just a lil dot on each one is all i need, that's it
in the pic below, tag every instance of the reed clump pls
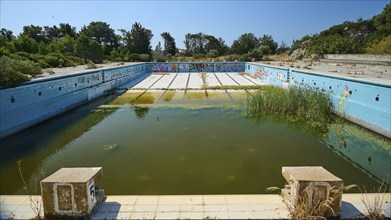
(302, 104)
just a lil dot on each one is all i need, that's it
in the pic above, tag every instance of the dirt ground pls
(372, 73)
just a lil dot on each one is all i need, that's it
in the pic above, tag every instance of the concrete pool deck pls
(266, 206)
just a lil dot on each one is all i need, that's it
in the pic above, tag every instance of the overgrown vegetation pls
(64, 46)
(362, 36)
(299, 104)
(35, 204)
(374, 201)
(300, 208)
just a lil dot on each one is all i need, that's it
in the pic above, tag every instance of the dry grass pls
(254, 87)
(203, 76)
(34, 203)
(300, 208)
(374, 202)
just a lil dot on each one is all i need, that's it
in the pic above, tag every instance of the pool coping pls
(245, 206)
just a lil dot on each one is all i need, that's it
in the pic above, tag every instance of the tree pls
(282, 48)
(82, 47)
(244, 44)
(138, 39)
(7, 34)
(95, 51)
(158, 54)
(268, 43)
(26, 44)
(169, 44)
(101, 33)
(34, 32)
(51, 33)
(67, 29)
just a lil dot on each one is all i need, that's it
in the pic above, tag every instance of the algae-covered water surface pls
(173, 143)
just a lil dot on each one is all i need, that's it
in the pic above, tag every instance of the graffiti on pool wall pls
(345, 95)
(201, 67)
(260, 72)
(229, 67)
(164, 67)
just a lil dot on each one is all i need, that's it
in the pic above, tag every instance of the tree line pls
(38, 48)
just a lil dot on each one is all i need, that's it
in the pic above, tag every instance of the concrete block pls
(71, 192)
(312, 185)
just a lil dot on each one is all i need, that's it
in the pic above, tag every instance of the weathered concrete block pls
(71, 192)
(313, 185)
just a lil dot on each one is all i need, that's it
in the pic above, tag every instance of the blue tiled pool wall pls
(365, 103)
(368, 104)
(197, 67)
(36, 101)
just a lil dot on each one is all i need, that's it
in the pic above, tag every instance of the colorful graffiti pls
(260, 72)
(230, 67)
(197, 67)
(345, 95)
(201, 67)
(164, 67)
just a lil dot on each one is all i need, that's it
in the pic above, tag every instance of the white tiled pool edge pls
(251, 206)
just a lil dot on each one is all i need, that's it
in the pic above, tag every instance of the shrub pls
(300, 104)
(245, 57)
(14, 72)
(53, 61)
(198, 56)
(144, 57)
(91, 65)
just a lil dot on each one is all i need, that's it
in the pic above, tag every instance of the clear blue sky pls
(284, 20)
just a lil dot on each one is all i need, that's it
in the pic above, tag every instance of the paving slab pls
(225, 79)
(211, 80)
(195, 81)
(257, 206)
(240, 79)
(164, 82)
(180, 81)
(146, 83)
(254, 80)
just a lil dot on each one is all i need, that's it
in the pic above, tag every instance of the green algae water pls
(186, 143)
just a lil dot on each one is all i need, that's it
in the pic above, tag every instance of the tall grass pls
(297, 103)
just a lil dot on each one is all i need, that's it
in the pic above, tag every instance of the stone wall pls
(359, 58)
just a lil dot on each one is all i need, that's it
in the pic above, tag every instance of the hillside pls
(363, 36)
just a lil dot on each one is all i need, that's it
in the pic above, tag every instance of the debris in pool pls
(251, 150)
(182, 158)
(111, 146)
(144, 178)
(231, 177)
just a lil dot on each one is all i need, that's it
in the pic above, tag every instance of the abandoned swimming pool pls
(186, 143)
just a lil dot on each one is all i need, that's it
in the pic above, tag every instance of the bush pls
(245, 57)
(198, 56)
(144, 57)
(14, 72)
(91, 65)
(54, 61)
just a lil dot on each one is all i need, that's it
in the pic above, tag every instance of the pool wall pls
(197, 67)
(38, 100)
(365, 103)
